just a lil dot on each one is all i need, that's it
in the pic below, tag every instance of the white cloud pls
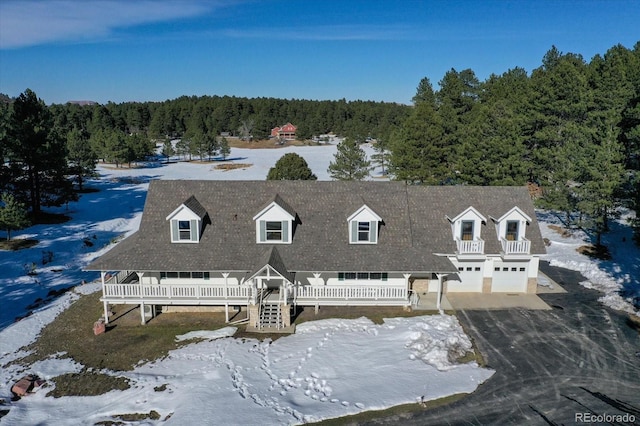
(28, 23)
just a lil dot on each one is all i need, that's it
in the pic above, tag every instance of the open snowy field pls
(327, 369)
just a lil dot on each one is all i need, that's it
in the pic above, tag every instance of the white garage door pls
(470, 280)
(509, 277)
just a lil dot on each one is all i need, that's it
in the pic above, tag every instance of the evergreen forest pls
(570, 126)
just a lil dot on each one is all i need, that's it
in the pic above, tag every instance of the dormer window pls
(186, 222)
(364, 234)
(274, 223)
(184, 230)
(511, 226)
(363, 226)
(274, 231)
(466, 226)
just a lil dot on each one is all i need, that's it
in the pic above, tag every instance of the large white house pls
(269, 246)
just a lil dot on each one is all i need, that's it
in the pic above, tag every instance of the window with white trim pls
(184, 230)
(364, 232)
(274, 231)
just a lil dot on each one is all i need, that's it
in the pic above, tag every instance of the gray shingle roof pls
(193, 205)
(413, 231)
(272, 258)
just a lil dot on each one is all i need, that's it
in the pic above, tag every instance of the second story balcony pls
(470, 247)
(516, 247)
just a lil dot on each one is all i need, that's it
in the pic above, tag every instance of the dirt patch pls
(564, 233)
(232, 166)
(17, 244)
(263, 143)
(86, 383)
(599, 252)
(132, 417)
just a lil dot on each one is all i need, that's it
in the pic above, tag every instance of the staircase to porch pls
(270, 316)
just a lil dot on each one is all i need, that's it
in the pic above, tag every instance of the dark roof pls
(279, 201)
(272, 258)
(193, 205)
(413, 232)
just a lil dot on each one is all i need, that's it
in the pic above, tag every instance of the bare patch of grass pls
(132, 417)
(86, 383)
(564, 233)
(599, 252)
(17, 244)
(398, 412)
(376, 314)
(126, 344)
(232, 166)
(235, 142)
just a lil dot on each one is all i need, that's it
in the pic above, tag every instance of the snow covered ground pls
(327, 369)
(618, 279)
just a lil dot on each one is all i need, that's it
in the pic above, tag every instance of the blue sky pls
(126, 50)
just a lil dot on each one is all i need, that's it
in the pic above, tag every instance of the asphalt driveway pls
(578, 357)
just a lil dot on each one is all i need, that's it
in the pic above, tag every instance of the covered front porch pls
(269, 293)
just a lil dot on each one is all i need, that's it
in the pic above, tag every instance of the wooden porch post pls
(105, 303)
(439, 296)
(226, 296)
(142, 313)
(106, 312)
(406, 282)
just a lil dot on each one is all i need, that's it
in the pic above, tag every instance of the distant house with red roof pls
(288, 131)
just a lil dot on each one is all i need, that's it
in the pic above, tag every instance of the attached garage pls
(468, 278)
(509, 277)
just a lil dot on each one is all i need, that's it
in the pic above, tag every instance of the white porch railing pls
(345, 292)
(522, 246)
(470, 246)
(113, 292)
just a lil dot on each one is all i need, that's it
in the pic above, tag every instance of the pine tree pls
(13, 214)
(350, 162)
(36, 155)
(603, 173)
(81, 157)
(168, 150)
(418, 153)
(224, 148)
(291, 166)
(381, 156)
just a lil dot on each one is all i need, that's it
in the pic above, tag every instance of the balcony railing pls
(470, 246)
(346, 293)
(522, 246)
(114, 292)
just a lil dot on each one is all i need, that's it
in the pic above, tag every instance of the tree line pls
(572, 126)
